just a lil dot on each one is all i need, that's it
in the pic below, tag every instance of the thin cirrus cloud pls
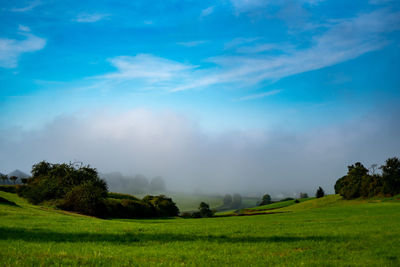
(12, 49)
(31, 5)
(90, 18)
(257, 96)
(244, 6)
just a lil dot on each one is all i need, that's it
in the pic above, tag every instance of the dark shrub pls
(186, 214)
(87, 198)
(163, 205)
(320, 192)
(204, 210)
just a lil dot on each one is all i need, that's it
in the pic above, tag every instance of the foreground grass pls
(327, 231)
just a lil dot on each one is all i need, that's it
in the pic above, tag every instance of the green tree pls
(204, 210)
(349, 186)
(320, 192)
(266, 199)
(391, 176)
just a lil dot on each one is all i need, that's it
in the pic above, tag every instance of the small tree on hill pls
(266, 199)
(320, 192)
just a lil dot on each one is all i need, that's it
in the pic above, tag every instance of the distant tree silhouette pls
(266, 199)
(4, 178)
(157, 184)
(320, 192)
(303, 195)
(227, 200)
(236, 201)
(14, 179)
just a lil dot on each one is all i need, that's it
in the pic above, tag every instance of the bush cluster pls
(78, 188)
(148, 207)
(360, 183)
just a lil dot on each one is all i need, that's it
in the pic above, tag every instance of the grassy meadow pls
(327, 231)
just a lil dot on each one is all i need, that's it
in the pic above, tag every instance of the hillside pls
(326, 231)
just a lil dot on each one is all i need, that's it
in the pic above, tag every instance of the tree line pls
(79, 188)
(361, 182)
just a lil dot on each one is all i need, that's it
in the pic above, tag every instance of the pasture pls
(327, 231)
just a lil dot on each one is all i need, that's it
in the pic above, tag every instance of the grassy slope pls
(327, 231)
(262, 209)
(191, 202)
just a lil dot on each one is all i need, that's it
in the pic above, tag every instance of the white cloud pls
(11, 49)
(192, 43)
(207, 11)
(90, 18)
(144, 66)
(261, 95)
(28, 7)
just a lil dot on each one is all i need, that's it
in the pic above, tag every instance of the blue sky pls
(247, 65)
(257, 61)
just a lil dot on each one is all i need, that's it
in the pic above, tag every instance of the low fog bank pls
(170, 145)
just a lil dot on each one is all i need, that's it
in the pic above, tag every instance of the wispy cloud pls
(344, 40)
(245, 6)
(24, 28)
(31, 5)
(192, 43)
(259, 48)
(256, 96)
(207, 11)
(90, 18)
(11, 49)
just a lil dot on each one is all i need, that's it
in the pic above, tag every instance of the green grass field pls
(319, 232)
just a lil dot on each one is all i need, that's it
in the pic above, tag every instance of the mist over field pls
(189, 158)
